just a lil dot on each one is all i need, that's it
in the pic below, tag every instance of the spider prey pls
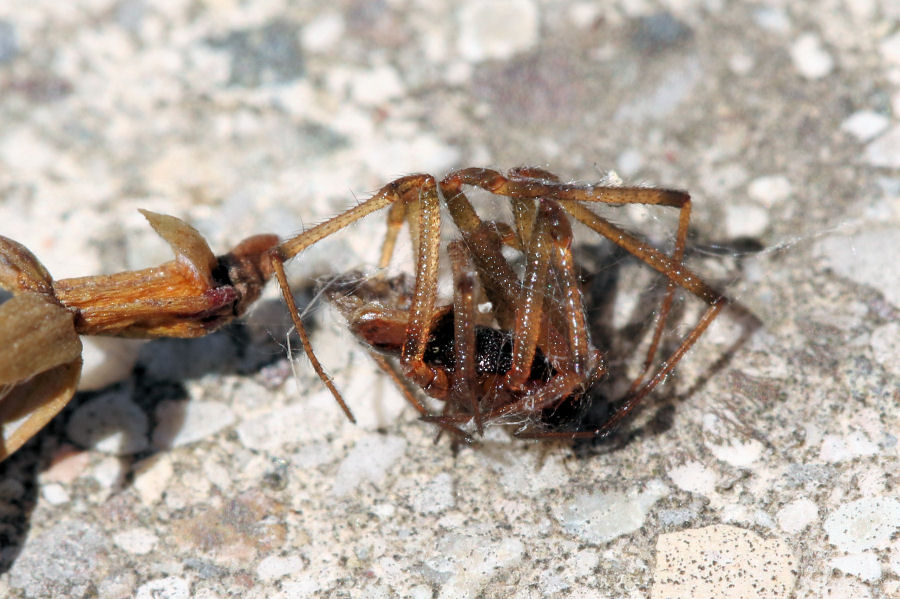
(40, 349)
(532, 353)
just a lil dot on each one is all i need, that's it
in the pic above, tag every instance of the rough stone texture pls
(776, 455)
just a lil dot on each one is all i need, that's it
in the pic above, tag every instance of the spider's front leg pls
(418, 196)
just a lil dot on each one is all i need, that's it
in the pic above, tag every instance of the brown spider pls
(532, 353)
(40, 349)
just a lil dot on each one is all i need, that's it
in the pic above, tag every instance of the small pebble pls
(836, 448)
(773, 19)
(107, 472)
(323, 32)
(769, 189)
(864, 524)
(275, 567)
(811, 59)
(136, 540)
(55, 494)
(180, 423)
(864, 566)
(151, 478)
(746, 220)
(584, 14)
(376, 86)
(885, 150)
(630, 162)
(722, 562)
(598, 518)
(741, 63)
(739, 453)
(110, 423)
(171, 587)
(890, 48)
(797, 515)
(68, 464)
(107, 360)
(865, 124)
(496, 30)
(694, 477)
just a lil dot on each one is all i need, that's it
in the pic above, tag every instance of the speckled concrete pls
(213, 471)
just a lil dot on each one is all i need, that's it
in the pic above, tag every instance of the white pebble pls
(107, 472)
(797, 515)
(694, 477)
(741, 63)
(810, 58)
(865, 124)
(180, 423)
(836, 448)
(110, 423)
(772, 18)
(864, 524)
(151, 478)
(275, 567)
(497, 30)
(136, 540)
(864, 566)
(885, 150)
(722, 562)
(885, 343)
(584, 14)
(323, 32)
(55, 494)
(598, 518)
(770, 189)
(376, 86)
(738, 453)
(171, 587)
(746, 220)
(107, 360)
(630, 162)
(369, 461)
(890, 48)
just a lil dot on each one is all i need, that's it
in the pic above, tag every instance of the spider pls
(533, 353)
(40, 349)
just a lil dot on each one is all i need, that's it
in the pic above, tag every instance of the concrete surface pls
(767, 467)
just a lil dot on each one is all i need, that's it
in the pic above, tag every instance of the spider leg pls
(464, 331)
(395, 219)
(388, 367)
(391, 193)
(570, 197)
(529, 313)
(662, 197)
(498, 279)
(531, 182)
(579, 363)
